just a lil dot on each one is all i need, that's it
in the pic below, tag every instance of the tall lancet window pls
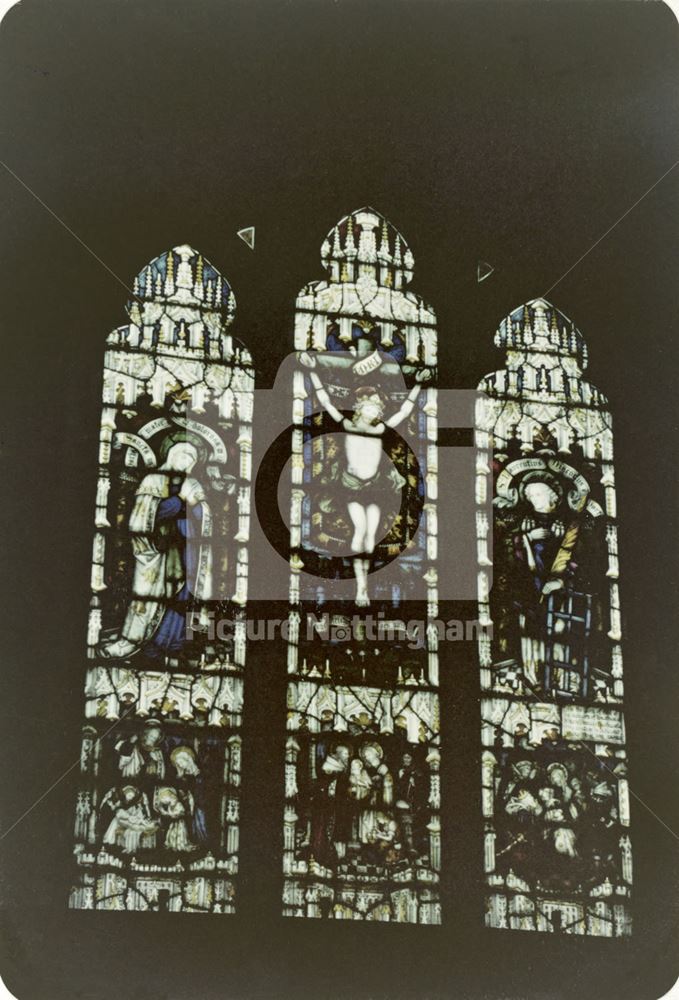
(361, 823)
(555, 795)
(157, 812)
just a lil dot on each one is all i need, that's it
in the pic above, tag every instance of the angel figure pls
(177, 807)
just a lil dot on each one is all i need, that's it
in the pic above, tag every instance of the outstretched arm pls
(323, 398)
(409, 404)
(406, 409)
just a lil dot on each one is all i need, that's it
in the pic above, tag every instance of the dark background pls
(515, 133)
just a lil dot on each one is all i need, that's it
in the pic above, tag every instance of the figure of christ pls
(362, 478)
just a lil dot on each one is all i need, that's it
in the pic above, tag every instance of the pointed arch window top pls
(546, 355)
(183, 306)
(539, 327)
(369, 264)
(363, 242)
(182, 276)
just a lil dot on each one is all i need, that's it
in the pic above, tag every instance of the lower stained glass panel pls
(157, 817)
(362, 830)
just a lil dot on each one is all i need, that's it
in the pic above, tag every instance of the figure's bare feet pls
(362, 599)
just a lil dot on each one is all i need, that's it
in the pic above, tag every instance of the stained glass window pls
(361, 824)
(554, 787)
(157, 812)
(157, 818)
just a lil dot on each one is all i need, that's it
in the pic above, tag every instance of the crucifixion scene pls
(366, 484)
(340, 402)
(366, 349)
(362, 784)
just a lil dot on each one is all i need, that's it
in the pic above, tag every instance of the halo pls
(181, 436)
(546, 477)
(183, 749)
(375, 746)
